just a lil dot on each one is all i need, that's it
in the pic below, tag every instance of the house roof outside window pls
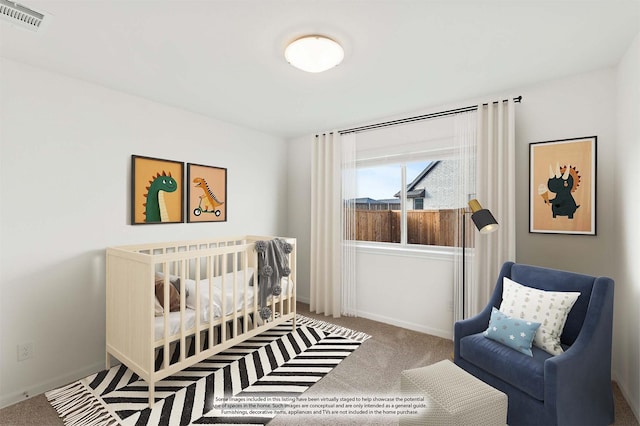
(436, 184)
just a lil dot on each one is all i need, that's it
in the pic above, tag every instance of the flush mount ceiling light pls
(314, 53)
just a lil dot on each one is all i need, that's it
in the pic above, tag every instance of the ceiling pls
(224, 58)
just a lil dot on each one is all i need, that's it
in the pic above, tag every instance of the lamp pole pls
(486, 223)
(464, 261)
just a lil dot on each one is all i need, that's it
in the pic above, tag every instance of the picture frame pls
(562, 186)
(157, 191)
(206, 193)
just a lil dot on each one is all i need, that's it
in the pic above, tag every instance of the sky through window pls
(383, 182)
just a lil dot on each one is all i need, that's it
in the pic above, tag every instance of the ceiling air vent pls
(22, 16)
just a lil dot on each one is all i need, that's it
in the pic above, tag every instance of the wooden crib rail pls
(225, 264)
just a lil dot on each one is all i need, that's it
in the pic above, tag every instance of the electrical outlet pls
(25, 351)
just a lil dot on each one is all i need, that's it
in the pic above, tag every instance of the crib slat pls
(167, 311)
(234, 258)
(223, 273)
(256, 292)
(210, 261)
(183, 341)
(245, 312)
(197, 290)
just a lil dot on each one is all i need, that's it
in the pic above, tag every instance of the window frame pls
(403, 247)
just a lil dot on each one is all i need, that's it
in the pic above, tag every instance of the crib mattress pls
(190, 313)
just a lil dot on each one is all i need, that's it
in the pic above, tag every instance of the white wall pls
(576, 106)
(299, 206)
(625, 210)
(409, 289)
(607, 104)
(582, 105)
(604, 103)
(65, 153)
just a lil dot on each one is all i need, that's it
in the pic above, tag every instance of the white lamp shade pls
(314, 53)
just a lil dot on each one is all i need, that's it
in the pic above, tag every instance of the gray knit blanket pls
(273, 265)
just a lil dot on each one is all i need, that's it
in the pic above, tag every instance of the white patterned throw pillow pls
(549, 308)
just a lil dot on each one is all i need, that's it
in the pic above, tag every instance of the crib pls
(221, 300)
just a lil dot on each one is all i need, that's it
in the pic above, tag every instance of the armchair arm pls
(470, 326)
(578, 382)
(480, 322)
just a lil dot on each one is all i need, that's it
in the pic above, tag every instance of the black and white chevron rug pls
(278, 363)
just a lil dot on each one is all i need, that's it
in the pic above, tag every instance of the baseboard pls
(38, 388)
(303, 299)
(445, 334)
(635, 407)
(404, 324)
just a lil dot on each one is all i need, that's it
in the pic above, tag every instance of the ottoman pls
(452, 396)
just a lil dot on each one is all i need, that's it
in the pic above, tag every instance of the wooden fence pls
(426, 227)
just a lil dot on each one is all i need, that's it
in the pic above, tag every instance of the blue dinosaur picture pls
(562, 186)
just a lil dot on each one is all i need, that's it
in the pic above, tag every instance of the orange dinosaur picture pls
(207, 193)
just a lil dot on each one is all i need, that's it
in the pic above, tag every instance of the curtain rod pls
(419, 117)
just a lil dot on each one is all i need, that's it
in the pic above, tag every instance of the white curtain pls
(465, 134)
(332, 256)
(349, 195)
(495, 190)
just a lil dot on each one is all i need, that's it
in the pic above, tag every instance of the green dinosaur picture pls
(157, 190)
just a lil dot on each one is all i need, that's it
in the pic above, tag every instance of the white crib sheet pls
(190, 314)
(174, 323)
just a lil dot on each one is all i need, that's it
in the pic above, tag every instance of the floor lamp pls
(486, 223)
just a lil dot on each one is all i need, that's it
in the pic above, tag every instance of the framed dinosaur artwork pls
(562, 186)
(157, 192)
(206, 193)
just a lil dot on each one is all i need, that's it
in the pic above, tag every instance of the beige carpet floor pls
(372, 370)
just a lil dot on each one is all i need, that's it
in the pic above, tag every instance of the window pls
(377, 209)
(410, 178)
(407, 202)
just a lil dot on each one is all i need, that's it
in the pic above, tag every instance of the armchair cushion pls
(524, 372)
(550, 308)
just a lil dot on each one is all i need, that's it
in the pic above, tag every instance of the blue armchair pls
(573, 388)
